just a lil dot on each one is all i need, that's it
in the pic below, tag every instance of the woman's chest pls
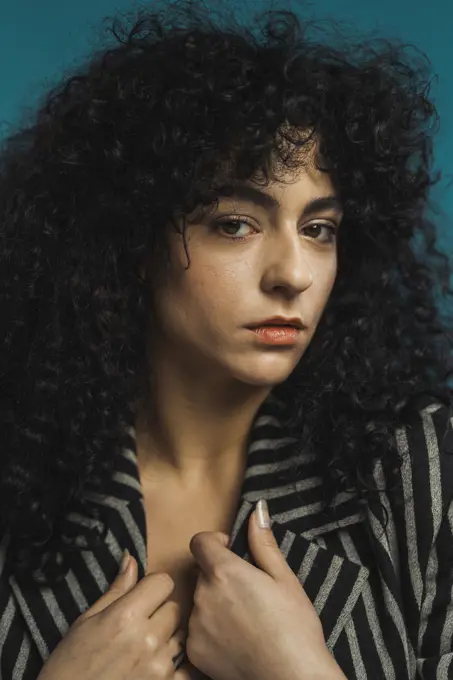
(169, 530)
(170, 553)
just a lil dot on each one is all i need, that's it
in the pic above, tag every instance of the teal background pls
(41, 40)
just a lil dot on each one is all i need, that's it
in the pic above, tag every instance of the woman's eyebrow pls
(246, 192)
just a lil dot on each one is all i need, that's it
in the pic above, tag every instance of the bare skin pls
(170, 528)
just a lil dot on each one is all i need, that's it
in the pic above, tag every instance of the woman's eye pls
(332, 232)
(235, 226)
(316, 230)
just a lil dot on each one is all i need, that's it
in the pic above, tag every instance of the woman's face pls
(283, 264)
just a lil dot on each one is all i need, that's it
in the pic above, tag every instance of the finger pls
(182, 674)
(177, 643)
(180, 636)
(210, 548)
(162, 664)
(123, 583)
(149, 594)
(165, 620)
(266, 552)
(177, 649)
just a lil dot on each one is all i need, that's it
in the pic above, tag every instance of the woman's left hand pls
(253, 623)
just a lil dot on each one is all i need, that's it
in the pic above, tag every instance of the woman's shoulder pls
(425, 446)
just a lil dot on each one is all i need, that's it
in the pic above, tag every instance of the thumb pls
(127, 575)
(262, 543)
(122, 584)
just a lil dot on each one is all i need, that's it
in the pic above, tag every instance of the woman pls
(189, 185)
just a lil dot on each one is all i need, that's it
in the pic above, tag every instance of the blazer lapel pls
(332, 582)
(48, 611)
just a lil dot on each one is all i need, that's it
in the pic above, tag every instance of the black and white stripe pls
(384, 597)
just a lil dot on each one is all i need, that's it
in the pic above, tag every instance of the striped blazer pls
(384, 596)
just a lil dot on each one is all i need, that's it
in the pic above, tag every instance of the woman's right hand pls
(130, 633)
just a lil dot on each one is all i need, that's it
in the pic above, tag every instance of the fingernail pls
(124, 561)
(262, 514)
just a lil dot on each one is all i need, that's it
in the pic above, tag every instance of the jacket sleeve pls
(435, 633)
(435, 658)
(19, 657)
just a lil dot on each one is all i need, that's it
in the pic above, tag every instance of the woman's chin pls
(267, 375)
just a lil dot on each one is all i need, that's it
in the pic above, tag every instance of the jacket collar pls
(269, 474)
(297, 521)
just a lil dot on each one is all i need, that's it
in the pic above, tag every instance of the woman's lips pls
(277, 335)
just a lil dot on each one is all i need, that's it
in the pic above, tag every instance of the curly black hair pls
(143, 132)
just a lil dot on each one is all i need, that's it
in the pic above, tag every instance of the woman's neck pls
(195, 434)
